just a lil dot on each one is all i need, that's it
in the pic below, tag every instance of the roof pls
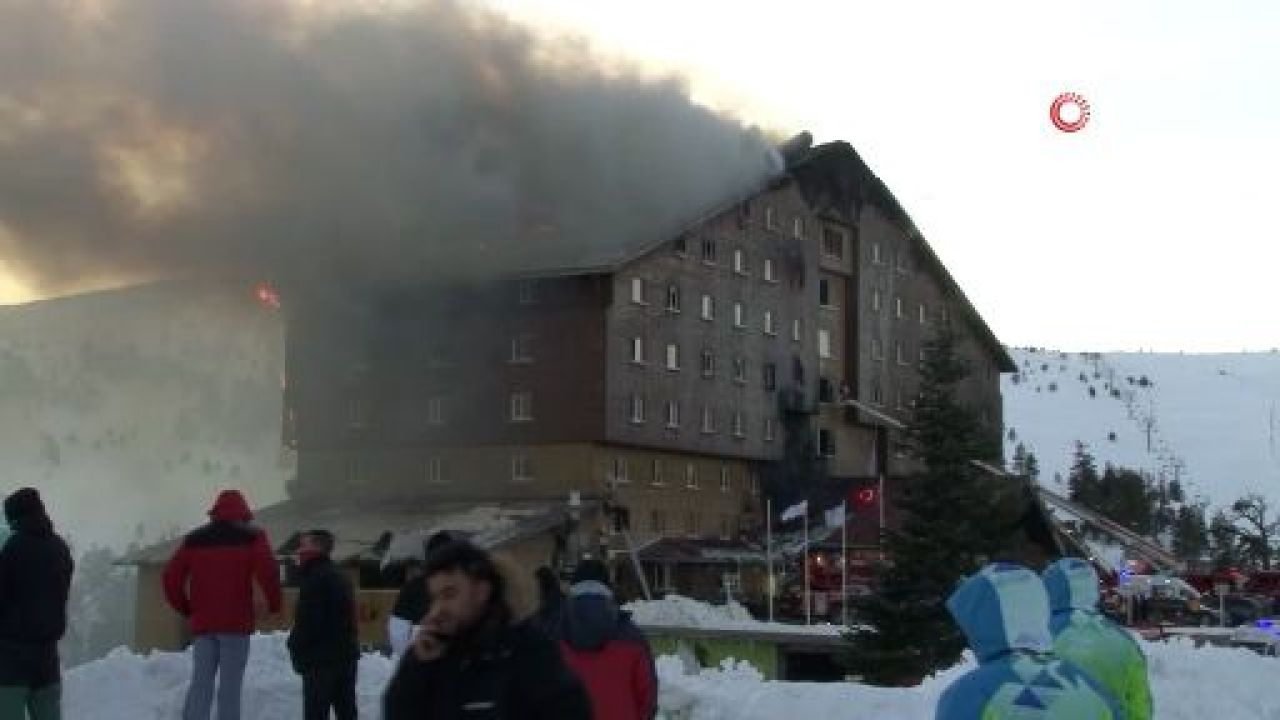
(388, 531)
(701, 551)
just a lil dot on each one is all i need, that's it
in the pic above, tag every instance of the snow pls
(1189, 683)
(682, 612)
(1214, 419)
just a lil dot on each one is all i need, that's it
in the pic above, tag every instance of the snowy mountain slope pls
(129, 409)
(1211, 421)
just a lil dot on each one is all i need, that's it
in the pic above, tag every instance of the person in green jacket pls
(1083, 635)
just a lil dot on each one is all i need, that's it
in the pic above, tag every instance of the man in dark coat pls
(606, 649)
(323, 644)
(35, 580)
(412, 602)
(209, 581)
(477, 655)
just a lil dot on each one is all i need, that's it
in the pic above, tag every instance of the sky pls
(1147, 230)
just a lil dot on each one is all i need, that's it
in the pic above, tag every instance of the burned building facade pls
(662, 381)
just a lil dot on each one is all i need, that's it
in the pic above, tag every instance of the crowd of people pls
(470, 642)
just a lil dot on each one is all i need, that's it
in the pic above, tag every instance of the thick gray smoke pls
(354, 143)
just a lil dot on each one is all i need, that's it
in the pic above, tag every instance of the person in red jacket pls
(606, 649)
(209, 581)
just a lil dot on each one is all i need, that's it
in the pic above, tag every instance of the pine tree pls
(1190, 535)
(950, 528)
(1083, 482)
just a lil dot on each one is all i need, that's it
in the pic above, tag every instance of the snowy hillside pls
(1212, 421)
(129, 409)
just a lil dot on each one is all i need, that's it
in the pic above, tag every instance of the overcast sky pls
(1153, 228)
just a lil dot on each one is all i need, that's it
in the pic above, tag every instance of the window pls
(797, 330)
(833, 243)
(826, 390)
(708, 420)
(356, 417)
(691, 523)
(726, 530)
(354, 471)
(657, 522)
(946, 315)
(824, 343)
(768, 323)
(923, 356)
(877, 394)
(824, 292)
(673, 356)
(769, 274)
(527, 292)
(768, 429)
(877, 349)
(877, 256)
(902, 399)
(725, 485)
(708, 308)
(770, 218)
(797, 228)
(924, 314)
(435, 411)
(521, 407)
(637, 350)
(690, 476)
(739, 316)
(637, 290)
(875, 301)
(673, 414)
(797, 371)
(522, 348)
(708, 250)
(739, 262)
(904, 262)
(899, 354)
(739, 429)
(521, 468)
(740, 370)
(770, 376)
(620, 470)
(897, 308)
(435, 471)
(753, 481)
(637, 408)
(708, 364)
(681, 245)
(826, 443)
(658, 479)
(673, 298)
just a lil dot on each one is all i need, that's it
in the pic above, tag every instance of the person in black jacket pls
(477, 654)
(35, 580)
(323, 644)
(412, 602)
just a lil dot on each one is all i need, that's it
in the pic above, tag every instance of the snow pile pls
(683, 612)
(125, 686)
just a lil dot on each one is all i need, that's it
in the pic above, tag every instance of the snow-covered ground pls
(683, 612)
(1214, 420)
(1189, 684)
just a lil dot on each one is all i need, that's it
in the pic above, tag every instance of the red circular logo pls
(1063, 101)
(865, 497)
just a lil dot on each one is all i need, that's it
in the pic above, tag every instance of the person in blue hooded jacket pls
(1084, 636)
(1004, 612)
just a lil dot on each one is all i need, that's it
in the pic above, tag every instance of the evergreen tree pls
(1190, 535)
(1082, 480)
(950, 528)
(1223, 539)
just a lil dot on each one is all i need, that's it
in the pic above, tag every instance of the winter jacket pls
(1004, 612)
(324, 619)
(210, 578)
(507, 672)
(609, 653)
(412, 602)
(1084, 636)
(35, 581)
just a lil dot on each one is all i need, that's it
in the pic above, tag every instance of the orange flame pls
(268, 296)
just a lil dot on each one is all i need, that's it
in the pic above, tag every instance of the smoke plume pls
(320, 143)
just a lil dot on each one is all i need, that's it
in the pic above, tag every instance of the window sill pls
(520, 361)
(520, 420)
(635, 421)
(522, 480)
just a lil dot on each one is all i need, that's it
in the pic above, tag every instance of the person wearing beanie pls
(606, 649)
(1003, 611)
(35, 581)
(210, 581)
(412, 602)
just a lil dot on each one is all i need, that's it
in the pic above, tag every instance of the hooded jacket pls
(210, 578)
(1084, 636)
(609, 653)
(1004, 612)
(35, 581)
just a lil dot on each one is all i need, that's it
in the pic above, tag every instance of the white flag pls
(835, 516)
(798, 510)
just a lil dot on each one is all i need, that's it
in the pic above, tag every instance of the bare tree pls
(1254, 532)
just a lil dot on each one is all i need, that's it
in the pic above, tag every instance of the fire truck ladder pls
(1140, 546)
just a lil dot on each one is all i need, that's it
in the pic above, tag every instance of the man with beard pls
(477, 654)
